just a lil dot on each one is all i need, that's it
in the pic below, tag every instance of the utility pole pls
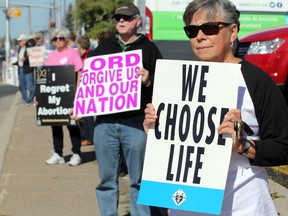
(59, 14)
(29, 21)
(64, 20)
(7, 40)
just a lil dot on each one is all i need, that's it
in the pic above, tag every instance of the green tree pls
(95, 16)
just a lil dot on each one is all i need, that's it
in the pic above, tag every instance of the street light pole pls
(7, 40)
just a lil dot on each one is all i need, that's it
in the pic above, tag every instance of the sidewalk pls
(29, 187)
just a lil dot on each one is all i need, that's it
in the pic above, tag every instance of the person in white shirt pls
(25, 72)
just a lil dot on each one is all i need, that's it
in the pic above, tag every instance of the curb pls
(278, 176)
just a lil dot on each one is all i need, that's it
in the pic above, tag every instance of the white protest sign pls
(37, 55)
(186, 160)
(109, 84)
(10, 74)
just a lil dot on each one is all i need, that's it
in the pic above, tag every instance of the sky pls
(39, 16)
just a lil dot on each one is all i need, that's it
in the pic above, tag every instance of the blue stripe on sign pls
(198, 199)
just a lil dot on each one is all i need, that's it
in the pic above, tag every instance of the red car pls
(268, 49)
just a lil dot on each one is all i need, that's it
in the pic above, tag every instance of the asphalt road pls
(7, 95)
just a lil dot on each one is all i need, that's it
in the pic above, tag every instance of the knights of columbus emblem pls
(179, 197)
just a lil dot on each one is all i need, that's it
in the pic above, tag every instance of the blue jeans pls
(109, 137)
(26, 82)
(87, 128)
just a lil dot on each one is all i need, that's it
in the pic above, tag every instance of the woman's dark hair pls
(83, 41)
(30, 43)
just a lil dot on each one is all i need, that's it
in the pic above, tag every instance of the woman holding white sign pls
(258, 125)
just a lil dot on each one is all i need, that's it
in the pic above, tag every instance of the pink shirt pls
(69, 56)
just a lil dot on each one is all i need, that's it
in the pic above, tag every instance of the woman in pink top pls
(65, 55)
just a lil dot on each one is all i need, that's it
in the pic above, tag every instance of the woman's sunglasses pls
(124, 17)
(58, 39)
(209, 28)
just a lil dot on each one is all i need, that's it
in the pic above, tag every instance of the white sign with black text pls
(186, 160)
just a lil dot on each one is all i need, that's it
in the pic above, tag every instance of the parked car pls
(268, 49)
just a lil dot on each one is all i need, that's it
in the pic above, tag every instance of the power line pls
(27, 5)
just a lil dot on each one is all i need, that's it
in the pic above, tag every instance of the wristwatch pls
(247, 146)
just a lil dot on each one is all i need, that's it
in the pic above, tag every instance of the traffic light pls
(52, 24)
(8, 12)
(17, 13)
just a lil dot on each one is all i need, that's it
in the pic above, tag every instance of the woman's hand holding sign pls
(150, 116)
(233, 126)
(75, 117)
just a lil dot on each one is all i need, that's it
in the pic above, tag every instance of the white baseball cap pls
(22, 37)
